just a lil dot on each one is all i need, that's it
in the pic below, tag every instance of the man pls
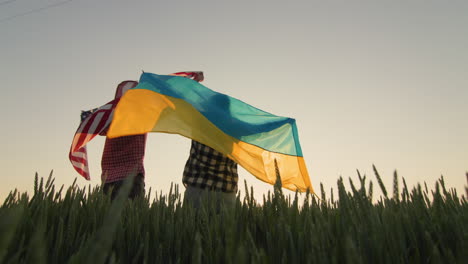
(123, 157)
(209, 174)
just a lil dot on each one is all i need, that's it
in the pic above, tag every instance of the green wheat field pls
(82, 225)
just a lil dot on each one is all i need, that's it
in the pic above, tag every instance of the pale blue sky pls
(369, 82)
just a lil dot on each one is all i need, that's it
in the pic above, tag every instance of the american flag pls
(94, 122)
(195, 75)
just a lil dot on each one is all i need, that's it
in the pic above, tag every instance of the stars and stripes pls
(94, 122)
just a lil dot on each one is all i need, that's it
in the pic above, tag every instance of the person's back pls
(123, 157)
(209, 172)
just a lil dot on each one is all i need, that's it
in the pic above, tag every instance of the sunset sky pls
(369, 82)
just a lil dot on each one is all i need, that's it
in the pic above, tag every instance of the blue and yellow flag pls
(251, 137)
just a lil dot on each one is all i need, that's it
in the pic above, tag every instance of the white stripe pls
(126, 87)
(79, 154)
(80, 166)
(105, 107)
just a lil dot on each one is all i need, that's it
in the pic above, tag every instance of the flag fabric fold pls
(255, 139)
(94, 122)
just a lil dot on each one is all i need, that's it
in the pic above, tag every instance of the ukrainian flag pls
(253, 138)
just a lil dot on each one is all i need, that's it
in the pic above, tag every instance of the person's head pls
(123, 87)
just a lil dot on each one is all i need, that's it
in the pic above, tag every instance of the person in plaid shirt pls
(209, 173)
(123, 157)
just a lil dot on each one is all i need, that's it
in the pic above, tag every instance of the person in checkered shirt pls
(123, 157)
(209, 173)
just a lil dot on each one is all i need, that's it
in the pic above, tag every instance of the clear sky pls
(369, 82)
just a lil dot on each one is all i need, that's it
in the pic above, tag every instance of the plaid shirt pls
(207, 168)
(123, 156)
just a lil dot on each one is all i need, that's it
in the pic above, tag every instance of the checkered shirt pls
(123, 156)
(209, 169)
